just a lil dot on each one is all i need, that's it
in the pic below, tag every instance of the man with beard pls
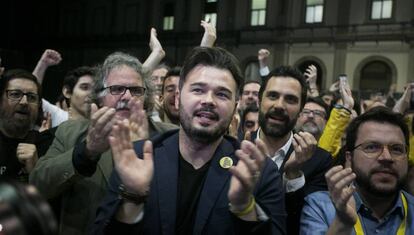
(303, 165)
(187, 178)
(313, 117)
(20, 145)
(366, 198)
(169, 110)
(249, 95)
(78, 164)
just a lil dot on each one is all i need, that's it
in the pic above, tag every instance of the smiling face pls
(122, 76)
(80, 99)
(18, 117)
(280, 106)
(207, 103)
(382, 176)
(169, 93)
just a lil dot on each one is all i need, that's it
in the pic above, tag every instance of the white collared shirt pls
(278, 157)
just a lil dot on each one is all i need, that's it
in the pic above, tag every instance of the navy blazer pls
(213, 215)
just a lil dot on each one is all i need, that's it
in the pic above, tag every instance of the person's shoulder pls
(319, 198)
(409, 197)
(72, 127)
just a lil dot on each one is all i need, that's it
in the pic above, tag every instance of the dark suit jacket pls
(213, 215)
(314, 171)
(57, 175)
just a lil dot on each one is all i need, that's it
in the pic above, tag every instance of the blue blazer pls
(213, 215)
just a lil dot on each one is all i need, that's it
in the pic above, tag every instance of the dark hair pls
(287, 71)
(72, 77)
(252, 108)
(319, 101)
(24, 205)
(249, 82)
(377, 114)
(172, 72)
(215, 57)
(15, 74)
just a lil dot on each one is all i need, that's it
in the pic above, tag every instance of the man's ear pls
(177, 99)
(66, 93)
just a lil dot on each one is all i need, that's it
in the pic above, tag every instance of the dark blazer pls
(80, 186)
(213, 215)
(314, 171)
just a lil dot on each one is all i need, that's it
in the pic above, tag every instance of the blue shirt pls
(319, 212)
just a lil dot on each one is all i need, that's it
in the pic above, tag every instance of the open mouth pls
(122, 105)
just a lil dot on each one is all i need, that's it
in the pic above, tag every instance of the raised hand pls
(100, 127)
(27, 155)
(210, 34)
(340, 189)
(135, 173)
(46, 123)
(304, 145)
(263, 57)
(311, 74)
(246, 173)
(50, 57)
(154, 43)
(138, 122)
(346, 94)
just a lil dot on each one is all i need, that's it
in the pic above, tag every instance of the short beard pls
(310, 127)
(276, 130)
(201, 135)
(364, 182)
(14, 128)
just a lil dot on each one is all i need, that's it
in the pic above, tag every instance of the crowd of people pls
(143, 148)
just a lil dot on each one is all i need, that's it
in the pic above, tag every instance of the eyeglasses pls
(120, 90)
(17, 95)
(374, 149)
(318, 113)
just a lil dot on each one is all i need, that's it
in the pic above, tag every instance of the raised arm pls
(210, 34)
(49, 58)
(404, 102)
(263, 58)
(157, 52)
(311, 75)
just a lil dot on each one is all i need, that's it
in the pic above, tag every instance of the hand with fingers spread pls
(339, 182)
(135, 173)
(99, 130)
(346, 94)
(138, 122)
(304, 145)
(246, 174)
(209, 36)
(27, 155)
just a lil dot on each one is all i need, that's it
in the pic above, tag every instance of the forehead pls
(124, 75)
(172, 80)
(85, 79)
(252, 115)
(211, 76)
(22, 84)
(382, 132)
(284, 85)
(313, 106)
(160, 72)
(251, 87)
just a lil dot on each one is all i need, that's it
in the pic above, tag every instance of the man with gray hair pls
(78, 164)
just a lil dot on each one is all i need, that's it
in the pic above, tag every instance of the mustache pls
(384, 169)
(122, 105)
(209, 110)
(22, 109)
(278, 113)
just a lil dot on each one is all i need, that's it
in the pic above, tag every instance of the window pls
(210, 11)
(168, 20)
(314, 11)
(381, 9)
(258, 13)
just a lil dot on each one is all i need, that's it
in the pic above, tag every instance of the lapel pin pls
(226, 162)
